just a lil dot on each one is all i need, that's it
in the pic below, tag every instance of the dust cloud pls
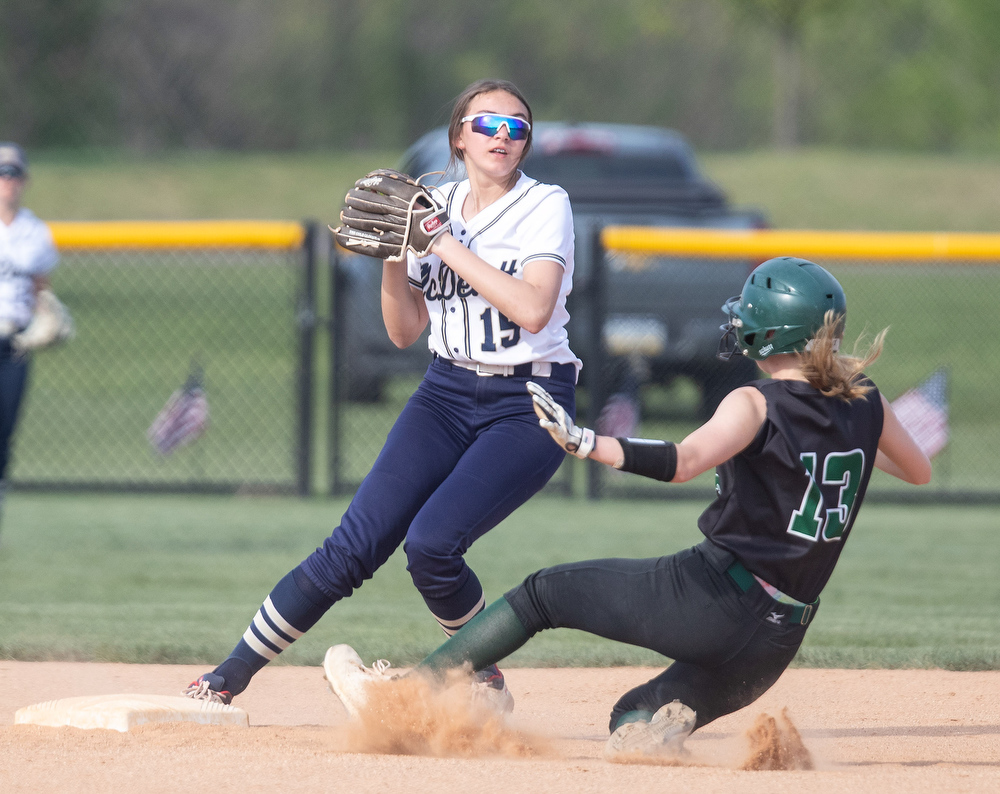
(775, 744)
(411, 716)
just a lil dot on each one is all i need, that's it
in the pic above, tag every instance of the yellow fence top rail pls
(766, 243)
(177, 234)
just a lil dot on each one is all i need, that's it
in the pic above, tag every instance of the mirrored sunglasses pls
(11, 171)
(490, 124)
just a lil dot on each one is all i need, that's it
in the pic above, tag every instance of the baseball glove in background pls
(388, 213)
(50, 324)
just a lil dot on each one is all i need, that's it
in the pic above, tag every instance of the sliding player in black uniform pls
(794, 454)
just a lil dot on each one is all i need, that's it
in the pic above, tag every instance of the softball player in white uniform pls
(27, 256)
(467, 449)
(532, 222)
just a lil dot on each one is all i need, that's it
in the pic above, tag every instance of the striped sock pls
(452, 626)
(458, 609)
(291, 609)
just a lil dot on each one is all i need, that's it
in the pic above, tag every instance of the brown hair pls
(461, 107)
(837, 374)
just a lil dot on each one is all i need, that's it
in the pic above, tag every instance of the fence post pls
(598, 360)
(335, 392)
(305, 318)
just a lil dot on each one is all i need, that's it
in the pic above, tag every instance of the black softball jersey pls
(786, 503)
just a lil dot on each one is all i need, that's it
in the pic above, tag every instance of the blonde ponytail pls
(837, 374)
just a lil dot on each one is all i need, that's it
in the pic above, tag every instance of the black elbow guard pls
(655, 459)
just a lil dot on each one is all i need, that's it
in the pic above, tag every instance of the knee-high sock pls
(292, 608)
(491, 635)
(460, 607)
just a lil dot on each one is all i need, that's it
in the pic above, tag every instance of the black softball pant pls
(728, 647)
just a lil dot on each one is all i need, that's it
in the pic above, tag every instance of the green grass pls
(876, 191)
(177, 579)
(809, 188)
(196, 185)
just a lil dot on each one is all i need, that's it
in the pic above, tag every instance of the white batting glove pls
(575, 440)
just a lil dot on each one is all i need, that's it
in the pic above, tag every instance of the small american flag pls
(923, 411)
(183, 419)
(619, 417)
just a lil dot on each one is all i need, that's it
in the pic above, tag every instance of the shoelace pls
(381, 665)
(200, 690)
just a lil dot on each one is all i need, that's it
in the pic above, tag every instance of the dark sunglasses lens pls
(11, 171)
(479, 125)
(518, 129)
(490, 125)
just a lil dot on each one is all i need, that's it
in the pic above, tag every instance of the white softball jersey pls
(26, 251)
(532, 222)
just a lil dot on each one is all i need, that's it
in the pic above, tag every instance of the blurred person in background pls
(27, 256)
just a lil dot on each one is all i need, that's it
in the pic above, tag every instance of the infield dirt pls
(861, 731)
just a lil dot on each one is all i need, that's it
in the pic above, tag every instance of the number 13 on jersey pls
(811, 520)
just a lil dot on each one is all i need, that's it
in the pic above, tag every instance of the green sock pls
(491, 635)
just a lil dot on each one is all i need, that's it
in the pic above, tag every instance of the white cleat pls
(663, 736)
(489, 689)
(349, 678)
(499, 700)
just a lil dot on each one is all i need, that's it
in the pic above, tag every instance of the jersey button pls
(462, 232)
(453, 309)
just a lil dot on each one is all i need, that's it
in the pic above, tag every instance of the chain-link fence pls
(646, 324)
(214, 318)
(162, 307)
(934, 292)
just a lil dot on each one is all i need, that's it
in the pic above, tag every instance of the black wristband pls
(649, 458)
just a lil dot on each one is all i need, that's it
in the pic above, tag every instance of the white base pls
(121, 712)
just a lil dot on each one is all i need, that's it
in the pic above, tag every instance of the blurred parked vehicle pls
(662, 313)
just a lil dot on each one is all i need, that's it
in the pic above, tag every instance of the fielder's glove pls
(575, 440)
(50, 324)
(388, 213)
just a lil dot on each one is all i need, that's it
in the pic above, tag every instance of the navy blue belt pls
(801, 614)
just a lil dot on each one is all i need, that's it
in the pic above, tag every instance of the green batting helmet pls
(781, 308)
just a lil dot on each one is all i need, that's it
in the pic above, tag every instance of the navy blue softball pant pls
(13, 380)
(465, 452)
